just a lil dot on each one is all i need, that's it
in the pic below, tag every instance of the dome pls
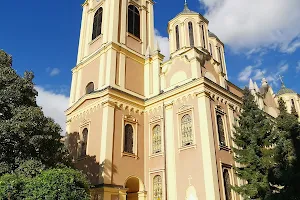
(186, 10)
(285, 90)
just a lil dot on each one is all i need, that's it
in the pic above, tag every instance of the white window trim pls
(128, 119)
(224, 119)
(183, 111)
(152, 174)
(231, 177)
(157, 121)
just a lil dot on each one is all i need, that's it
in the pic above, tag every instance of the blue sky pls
(262, 39)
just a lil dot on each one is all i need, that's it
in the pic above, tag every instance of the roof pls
(186, 10)
(211, 34)
(285, 90)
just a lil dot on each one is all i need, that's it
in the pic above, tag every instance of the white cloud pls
(245, 74)
(298, 67)
(254, 25)
(54, 72)
(53, 105)
(163, 44)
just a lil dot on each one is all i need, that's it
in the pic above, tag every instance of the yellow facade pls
(143, 128)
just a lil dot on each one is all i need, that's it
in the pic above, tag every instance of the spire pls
(251, 85)
(186, 8)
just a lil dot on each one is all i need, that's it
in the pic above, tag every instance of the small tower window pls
(221, 131)
(227, 185)
(97, 25)
(156, 139)
(157, 188)
(133, 21)
(220, 58)
(89, 88)
(203, 36)
(84, 142)
(191, 34)
(128, 139)
(186, 130)
(177, 37)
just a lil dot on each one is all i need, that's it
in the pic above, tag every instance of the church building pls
(145, 128)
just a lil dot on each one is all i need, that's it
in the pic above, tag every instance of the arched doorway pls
(136, 189)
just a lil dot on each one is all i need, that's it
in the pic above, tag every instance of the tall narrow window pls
(89, 88)
(133, 21)
(157, 188)
(177, 37)
(156, 139)
(97, 25)
(227, 185)
(203, 36)
(210, 48)
(221, 131)
(128, 139)
(220, 58)
(191, 34)
(293, 103)
(84, 142)
(186, 130)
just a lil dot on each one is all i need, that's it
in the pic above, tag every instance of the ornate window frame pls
(152, 174)
(153, 122)
(184, 110)
(229, 168)
(85, 124)
(219, 111)
(129, 119)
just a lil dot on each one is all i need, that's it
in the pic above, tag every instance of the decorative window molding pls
(156, 139)
(221, 129)
(227, 181)
(157, 187)
(186, 131)
(129, 135)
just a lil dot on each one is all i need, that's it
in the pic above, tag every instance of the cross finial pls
(190, 178)
(281, 79)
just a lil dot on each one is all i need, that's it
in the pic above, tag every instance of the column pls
(102, 74)
(142, 195)
(82, 33)
(78, 85)
(170, 152)
(110, 67)
(88, 32)
(73, 87)
(113, 21)
(123, 23)
(106, 21)
(151, 24)
(107, 141)
(147, 80)
(171, 41)
(122, 70)
(208, 147)
(144, 29)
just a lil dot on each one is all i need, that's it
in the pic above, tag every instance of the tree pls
(285, 175)
(294, 111)
(32, 181)
(25, 132)
(253, 138)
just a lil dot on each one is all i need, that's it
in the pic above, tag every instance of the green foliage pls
(30, 181)
(253, 137)
(285, 175)
(25, 133)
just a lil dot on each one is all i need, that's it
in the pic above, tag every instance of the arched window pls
(157, 188)
(221, 132)
(177, 37)
(227, 185)
(133, 21)
(156, 139)
(84, 142)
(191, 34)
(128, 139)
(89, 88)
(203, 36)
(186, 130)
(97, 25)
(220, 58)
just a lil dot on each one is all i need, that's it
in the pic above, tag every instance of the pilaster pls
(170, 152)
(123, 23)
(73, 87)
(88, 31)
(144, 29)
(208, 147)
(150, 25)
(108, 113)
(113, 21)
(110, 67)
(78, 85)
(82, 33)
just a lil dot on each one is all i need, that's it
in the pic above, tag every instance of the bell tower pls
(114, 37)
